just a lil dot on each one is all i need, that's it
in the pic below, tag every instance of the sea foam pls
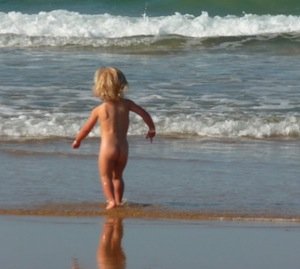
(46, 125)
(60, 27)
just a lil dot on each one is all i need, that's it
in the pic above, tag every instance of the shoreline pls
(146, 212)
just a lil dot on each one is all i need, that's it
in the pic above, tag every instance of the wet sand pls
(117, 243)
(133, 210)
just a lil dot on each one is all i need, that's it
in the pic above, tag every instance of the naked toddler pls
(113, 117)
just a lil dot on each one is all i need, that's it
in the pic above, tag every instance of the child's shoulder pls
(128, 102)
(98, 107)
(109, 104)
(96, 110)
(120, 102)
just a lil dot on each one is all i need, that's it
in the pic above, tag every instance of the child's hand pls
(150, 135)
(76, 144)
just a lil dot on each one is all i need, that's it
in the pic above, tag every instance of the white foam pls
(62, 27)
(255, 127)
(39, 125)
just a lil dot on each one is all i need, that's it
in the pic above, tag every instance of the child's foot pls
(110, 205)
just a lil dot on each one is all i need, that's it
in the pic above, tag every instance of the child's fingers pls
(75, 144)
(150, 135)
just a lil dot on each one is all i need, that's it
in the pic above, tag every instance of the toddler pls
(113, 118)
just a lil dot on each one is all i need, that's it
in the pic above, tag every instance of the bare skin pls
(113, 117)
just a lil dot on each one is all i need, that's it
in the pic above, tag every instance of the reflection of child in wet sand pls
(113, 117)
(110, 254)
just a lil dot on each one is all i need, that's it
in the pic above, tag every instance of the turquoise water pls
(158, 8)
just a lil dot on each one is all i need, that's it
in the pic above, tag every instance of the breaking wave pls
(61, 28)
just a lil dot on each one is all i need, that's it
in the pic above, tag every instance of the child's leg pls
(118, 182)
(106, 172)
(118, 185)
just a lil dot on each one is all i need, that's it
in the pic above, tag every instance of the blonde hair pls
(109, 84)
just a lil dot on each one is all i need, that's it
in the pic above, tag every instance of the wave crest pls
(61, 28)
(57, 125)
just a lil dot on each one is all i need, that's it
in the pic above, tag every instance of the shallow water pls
(243, 177)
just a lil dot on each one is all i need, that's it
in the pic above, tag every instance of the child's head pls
(109, 83)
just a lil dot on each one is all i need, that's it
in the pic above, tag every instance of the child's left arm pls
(86, 128)
(145, 116)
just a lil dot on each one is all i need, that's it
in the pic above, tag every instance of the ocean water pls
(220, 80)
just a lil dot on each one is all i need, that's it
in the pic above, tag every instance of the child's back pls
(114, 120)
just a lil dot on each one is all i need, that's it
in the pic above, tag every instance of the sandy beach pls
(110, 242)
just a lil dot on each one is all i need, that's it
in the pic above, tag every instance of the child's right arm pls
(86, 128)
(145, 116)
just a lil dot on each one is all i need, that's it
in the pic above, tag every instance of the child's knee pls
(118, 179)
(105, 180)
